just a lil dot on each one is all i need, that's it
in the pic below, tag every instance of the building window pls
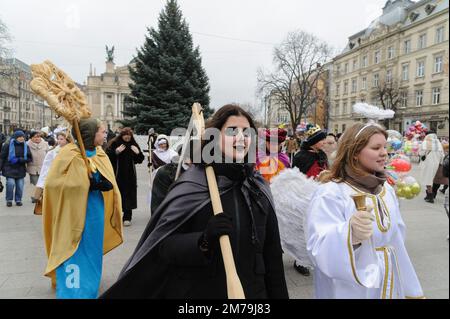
(388, 76)
(354, 85)
(403, 98)
(338, 88)
(346, 68)
(419, 97)
(440, 35)
(364, 83)
(422, 41)
(364, 62)
(377, 57)
(376, 80)
(344, 108)
(407, 46)
(345, 87)
(355, 65)
(438, 64)
(420, 69)
(390, 53)
(436, 96)
(343, 128)
(405, 72)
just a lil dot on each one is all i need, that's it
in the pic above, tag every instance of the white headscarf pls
(164, 155)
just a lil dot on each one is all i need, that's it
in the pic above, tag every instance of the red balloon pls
(401, 165)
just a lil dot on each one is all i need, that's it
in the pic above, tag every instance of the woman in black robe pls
(179, 257)
(124, 153)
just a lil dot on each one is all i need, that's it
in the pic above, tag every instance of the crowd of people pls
(179, 256)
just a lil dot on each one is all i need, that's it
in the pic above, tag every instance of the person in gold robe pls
(81, 215)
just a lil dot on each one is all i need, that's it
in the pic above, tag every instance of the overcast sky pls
(235, 36)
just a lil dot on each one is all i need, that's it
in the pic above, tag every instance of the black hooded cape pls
(143, 276)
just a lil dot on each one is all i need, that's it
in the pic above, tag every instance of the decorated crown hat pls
(314, 134)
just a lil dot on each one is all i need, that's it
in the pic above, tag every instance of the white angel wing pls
(292, 192)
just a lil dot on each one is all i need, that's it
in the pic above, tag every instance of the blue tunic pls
(79, 276)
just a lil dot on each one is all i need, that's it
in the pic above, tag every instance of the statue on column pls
(109, 54)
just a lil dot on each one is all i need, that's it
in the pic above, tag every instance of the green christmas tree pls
(168, 77)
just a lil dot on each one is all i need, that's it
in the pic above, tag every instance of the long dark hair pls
(221, 116)
(119, 138)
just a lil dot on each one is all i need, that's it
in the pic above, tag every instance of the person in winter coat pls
(179, 256)
(124, 153)
(39, 148)
(312, 160)
(431, 153)
(14, 157)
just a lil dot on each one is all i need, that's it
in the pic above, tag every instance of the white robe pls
(48, 160)
(379, 268)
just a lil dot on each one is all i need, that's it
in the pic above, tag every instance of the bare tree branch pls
(5, 39)
(389, 95)
(299, 62)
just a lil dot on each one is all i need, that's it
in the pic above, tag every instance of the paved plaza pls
(23, 260)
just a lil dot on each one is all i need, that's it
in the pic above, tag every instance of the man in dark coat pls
(169, 262)
(13, 159)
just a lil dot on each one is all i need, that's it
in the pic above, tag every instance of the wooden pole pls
(234, 286)
(81, 144)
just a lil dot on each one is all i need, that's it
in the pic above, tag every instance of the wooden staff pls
(234, 286)
(76, 127)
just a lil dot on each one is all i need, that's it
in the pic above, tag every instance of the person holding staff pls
(179, 257)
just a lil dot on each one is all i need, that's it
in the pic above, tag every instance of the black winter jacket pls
(17, 170)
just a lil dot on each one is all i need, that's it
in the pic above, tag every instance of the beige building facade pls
(407, 46)
(19, 106)
(106, 93)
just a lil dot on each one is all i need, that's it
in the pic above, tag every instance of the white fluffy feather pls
(292, 192)
(372, 112)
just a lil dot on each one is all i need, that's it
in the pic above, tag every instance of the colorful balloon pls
(415, 189)
(400, 165)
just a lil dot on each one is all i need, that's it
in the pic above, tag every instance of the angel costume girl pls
(378, 265)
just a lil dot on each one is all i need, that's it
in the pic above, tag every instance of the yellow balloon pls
(407, 192)
(415, 189)
(401, 184)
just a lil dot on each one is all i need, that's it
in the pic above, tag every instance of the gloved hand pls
(218, 225)
(362, 227)
(102, 185)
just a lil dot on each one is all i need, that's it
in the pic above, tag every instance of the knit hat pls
(314, 134)
(280, 133)
(18, 133)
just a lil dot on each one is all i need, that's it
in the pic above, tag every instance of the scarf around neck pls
(370, 183)
(12, 151)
